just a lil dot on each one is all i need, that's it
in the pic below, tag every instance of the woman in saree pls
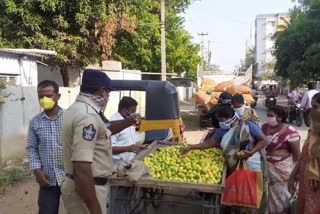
(235, 135)
(282, 153)
(307, 171)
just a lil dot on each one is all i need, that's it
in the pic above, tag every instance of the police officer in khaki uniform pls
(87, 148)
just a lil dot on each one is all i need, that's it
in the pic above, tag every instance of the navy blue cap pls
(95, 79)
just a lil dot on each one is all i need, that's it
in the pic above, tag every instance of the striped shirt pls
(45, 146)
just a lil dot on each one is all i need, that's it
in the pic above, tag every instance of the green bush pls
(3, 94)
(12, 175)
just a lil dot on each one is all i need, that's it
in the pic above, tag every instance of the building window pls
(271, 37)
(12, 79)
(272, 23)
(269, 54)
(3, 78)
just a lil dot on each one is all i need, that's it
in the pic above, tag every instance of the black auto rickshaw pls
(162, 108)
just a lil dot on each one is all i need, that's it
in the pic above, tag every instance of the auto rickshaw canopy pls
(162, 107)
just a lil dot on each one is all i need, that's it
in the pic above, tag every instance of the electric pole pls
(209, 55)
(202, 46)
(200, 71)
(163, 42)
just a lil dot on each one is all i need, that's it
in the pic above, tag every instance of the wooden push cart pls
(152, 193)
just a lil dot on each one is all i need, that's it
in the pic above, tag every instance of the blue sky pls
(228, 23)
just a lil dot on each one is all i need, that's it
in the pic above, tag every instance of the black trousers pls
(49, 200)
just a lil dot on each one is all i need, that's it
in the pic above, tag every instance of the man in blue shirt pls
(45, 148)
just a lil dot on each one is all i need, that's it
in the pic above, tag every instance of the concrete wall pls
(9, 64)
(15, 116)
(53, 73)
(29, 73)
(24, 68)
(68, 96)
(185, 93)
(23, 105)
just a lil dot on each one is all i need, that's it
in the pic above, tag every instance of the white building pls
(20, 66)
(250, 43)
(266, 26)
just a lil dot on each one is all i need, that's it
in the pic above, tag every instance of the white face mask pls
(240, 111)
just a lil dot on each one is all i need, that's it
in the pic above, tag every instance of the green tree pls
(297, 48)
(87, 32)
(246, 63)
(268, 73)
(80, 31)
(141, 50)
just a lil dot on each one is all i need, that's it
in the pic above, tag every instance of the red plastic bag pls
(243, 188)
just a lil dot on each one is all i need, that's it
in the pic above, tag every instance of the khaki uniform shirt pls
(86, 138)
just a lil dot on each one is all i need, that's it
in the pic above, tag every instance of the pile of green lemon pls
(205, 166)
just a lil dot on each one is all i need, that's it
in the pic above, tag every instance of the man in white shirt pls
(124, 149)
(124, 146)
(306, 102)
(306, 99)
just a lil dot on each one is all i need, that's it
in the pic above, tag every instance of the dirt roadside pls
(21, 198)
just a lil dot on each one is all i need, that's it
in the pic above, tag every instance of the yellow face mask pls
(47, 103)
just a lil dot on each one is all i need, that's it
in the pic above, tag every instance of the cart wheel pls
(157, 196)
(211, 198)
(155, 204)
(135, 205)
(202, 123)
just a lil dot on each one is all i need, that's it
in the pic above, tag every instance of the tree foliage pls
(80, 31)
(268, 73)
(297, 48)
(142, 50)
(87, 32)
(246, 63)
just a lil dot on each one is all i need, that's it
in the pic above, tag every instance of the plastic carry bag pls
(254, 162)
(244, 187)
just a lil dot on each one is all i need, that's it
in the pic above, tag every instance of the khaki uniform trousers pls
(73, 203)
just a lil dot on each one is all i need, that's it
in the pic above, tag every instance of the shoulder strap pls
(252, 111)
(245, 137)
(103, 118)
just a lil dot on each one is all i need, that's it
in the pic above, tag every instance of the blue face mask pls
(224, 125)
(227, 124)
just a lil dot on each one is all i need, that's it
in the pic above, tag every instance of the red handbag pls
(243, 187)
